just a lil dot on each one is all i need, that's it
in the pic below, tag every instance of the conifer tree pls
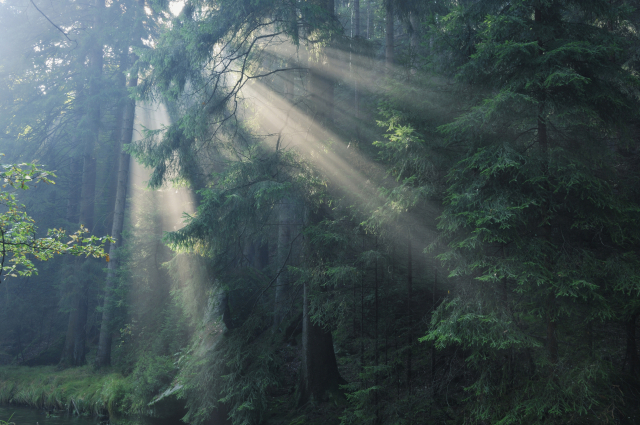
(534, 212)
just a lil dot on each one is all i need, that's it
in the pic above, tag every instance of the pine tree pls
(534, 211)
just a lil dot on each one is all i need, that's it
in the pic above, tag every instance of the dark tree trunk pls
(261, 259)
(116, 135)
(356, 18)
(552, 337)
(356, 91)
(76, 332)
(103, 357)
(375, 333)
(321, 84)
(389, 36)
(286, 214)
(75, 174)
(80, 331)
(321, 88)
(543, 142)
(362, 314)
(433, 344)
(632, 349)
(320, 377)
(413, 21)
(409, 318)
(370, 31)
(67, 351)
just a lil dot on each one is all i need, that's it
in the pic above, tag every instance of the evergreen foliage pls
(397, 212)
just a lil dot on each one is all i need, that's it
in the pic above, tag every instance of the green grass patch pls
(80, 389)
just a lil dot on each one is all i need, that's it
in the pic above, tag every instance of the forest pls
(311, 212)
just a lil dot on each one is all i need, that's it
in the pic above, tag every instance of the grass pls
(80, 390)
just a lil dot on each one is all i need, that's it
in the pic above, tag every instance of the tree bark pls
(375, 334)
(80, 331)
(356, 18)
(76, 332)
(321, 92)
(362, 313)
(356, 91)
(389, 36)
(67, 351)
(413, 21)
(75, 174)
(285, 252)
(433, 344)
(409, 318)
(370, 31)
(87, 197)
(320, 376)
(116, 136)
(543, 142)
(103, 357)
(632, 348)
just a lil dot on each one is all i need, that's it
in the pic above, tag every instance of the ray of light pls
(154, 212)
(353, 174)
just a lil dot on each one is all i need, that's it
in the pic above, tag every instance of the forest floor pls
(79, 390)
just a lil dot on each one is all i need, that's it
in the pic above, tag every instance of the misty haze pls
(319, 212)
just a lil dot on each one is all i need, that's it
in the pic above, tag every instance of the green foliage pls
(533, 214)
(77, 390)
(232, 376)
(18, 231)
(509, 152)
(150, 377)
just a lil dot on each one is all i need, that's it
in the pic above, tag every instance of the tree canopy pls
(349, 211)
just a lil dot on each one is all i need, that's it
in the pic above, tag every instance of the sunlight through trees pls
(323, 211)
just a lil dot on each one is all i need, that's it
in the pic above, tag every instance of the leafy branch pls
(19, 245)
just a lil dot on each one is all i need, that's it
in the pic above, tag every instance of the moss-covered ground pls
(80, 390)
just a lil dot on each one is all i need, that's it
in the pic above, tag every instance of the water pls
(25, 416)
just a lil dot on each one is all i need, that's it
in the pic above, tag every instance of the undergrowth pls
(79, 390)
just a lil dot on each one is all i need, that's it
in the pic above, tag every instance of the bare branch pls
(51, 22)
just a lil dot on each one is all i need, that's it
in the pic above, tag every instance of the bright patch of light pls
(176, 7)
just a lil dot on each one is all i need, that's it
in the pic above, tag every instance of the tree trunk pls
(356, 18)
(285, 252)
(362, 313)
(413, 21)
(261, 259)
(543, 142)
(67, 351)
(433, 344)
(389, 39)
(76, 332)
(116, 136)
(370, 31)
(80, 331)
(375, 334)
(632, 348)
(320, 375)
(356, 91)
(409, 318)
(75, 174)
(103, 357)
(321, 88)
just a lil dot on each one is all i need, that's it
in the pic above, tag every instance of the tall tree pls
(389, 20)
(534, 198)
(126, 124)
(103, 357)
(75, 343)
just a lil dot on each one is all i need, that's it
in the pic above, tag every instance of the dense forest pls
(321, 211)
